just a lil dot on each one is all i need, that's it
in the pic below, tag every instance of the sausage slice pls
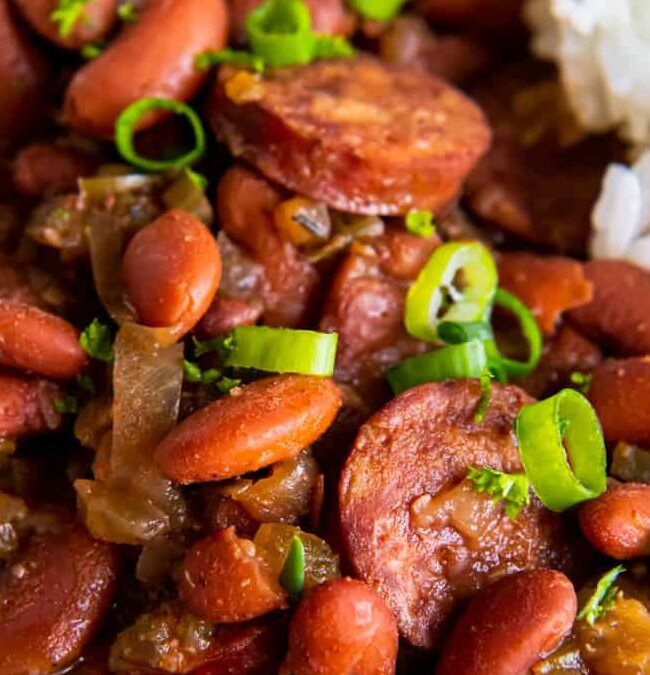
(359, 135)
(415, 529)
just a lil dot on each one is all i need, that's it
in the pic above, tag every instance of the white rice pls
(602, 49)
(621, 216)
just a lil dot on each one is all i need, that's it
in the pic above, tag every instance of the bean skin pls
(342, 628)
(227, 313)
(54, 596)
(223, 580)
(510, 625)
(27, 407)
(37, 341)
(153, 57)
(620, 392)
(98, 18)
(262, 423)
(172, 270)
(618, 522)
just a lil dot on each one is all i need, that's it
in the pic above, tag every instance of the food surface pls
(324, 337)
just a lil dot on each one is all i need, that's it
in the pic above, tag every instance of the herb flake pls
(511, 488)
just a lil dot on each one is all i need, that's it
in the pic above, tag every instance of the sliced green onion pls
(377, 10)
(603, 597)
(467, 360)
(282, 350)
(279, 31)
(90, 52)
(96, 340)
(455, 333)
(67, 13)
(511, 488)
(127, 12)
(581, 381)
(66, 405)
(547, 432)
(240, 58)
(434, 293)
(530, 331)
(486, 396)
(292, 576)
(127, 122)
(420, 222)
(332, 47)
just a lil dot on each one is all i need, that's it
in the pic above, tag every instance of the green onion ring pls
(283, 350)
(466, 360)
(127, 123)
(544, 430)
(425, 297)
(454, 333)
(377, 10)
(530, 331)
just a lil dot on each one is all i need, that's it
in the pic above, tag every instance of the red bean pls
(618, 522)
(153, 57)
(223, 579)
(172, 270)
(27, 407)
(34, 340)
(510, 625)
(342, 628)
(226, 313)
(54, 597)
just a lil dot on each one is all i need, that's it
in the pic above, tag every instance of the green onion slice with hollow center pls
(127, 124)
(377, 10)
(283, 350)
(454, 333)
(529, 329)
(467, 360)
(280, 32)
(562, 449)
(434, 298)
(292, 576)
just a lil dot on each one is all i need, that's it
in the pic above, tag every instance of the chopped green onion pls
(549, 430)
(454, 333)
(86, 382)
(511, 488)
(66, 405)
(332, 47)
(466, 360)
(282, 350)
(221, 345)
(420, 222)
(530, 331)
(90, 52)
(198, 179)
(227, 384)
(486, 396)
(127, 122)
(603, 597)
(434, 292)
(126, 12)
(193, 373)
(243, 59)
(377, 10)
(581, 381)
(67, 13)
(97, 341)
(292, 576)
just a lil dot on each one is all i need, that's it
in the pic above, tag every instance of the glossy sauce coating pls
(359, 135)
(414, 529)
(40, 342)
(510, 625)
(145, 61)
(172, 269)
(231, 436)
(54, 596)
(342, 628)
(618, 522)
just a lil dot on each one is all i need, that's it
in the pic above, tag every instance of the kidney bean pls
(259, 424)
(618, 522)
(510, 625)
(617, 316)
(38, 341)
(153, 57)
(342, 628)
(620, 392)
(44, 169)
(97, 19)
(226, 313)
(54, 596)
(223, 580)
(172, 270)
(548, 285)
(27, 407)
(24, 76)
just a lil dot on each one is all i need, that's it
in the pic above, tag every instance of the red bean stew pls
(303, 367)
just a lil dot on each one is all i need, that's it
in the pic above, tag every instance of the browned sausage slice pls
(414, 529)
(359, 135)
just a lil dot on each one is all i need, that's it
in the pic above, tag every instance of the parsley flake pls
(512, 488)
(66, 404)
(420, 222)
(67, 13)
(97, 341)
(603, 597)
(126, 12)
